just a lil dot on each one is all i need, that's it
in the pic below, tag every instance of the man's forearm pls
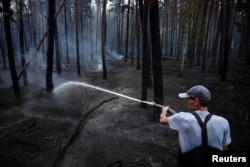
(163, 116)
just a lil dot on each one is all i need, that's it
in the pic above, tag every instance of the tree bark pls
(2, 48)
(127, 33)
(66, 34)
(104, 29)
(138, 36)
(7, 15)
(77, 40)
(216, 41)
(146, 55)
(156, 55)
(58, 53)
(50, 52)
(21, 39)
(248, 33)
(30, 58)
(226, 41)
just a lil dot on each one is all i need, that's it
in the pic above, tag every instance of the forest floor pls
(43, 131)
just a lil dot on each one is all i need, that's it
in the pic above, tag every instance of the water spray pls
(110, 92)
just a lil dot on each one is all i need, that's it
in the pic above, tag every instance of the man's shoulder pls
(219, 118)
(185, 115)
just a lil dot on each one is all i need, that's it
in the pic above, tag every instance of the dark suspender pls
(200, 155)
(203, 126)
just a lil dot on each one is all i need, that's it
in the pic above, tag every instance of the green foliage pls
(189, 25)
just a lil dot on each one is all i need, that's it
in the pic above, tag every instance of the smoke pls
(113, 54)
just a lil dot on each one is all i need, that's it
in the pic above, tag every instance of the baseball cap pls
(198, 91)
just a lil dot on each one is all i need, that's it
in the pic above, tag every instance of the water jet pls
(64, 85)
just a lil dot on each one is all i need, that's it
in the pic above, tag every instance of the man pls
(189, 130)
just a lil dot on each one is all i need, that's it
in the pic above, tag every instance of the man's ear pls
(197, 101)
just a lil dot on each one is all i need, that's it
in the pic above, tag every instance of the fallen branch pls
(75, 132)
(39, 43)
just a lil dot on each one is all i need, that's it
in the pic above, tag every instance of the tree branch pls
(75, 132)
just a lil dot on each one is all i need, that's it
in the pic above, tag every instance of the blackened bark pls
(248, 33)
(146, 55)
(78, 64)
(141, 11)
(2, 48)
(226, 41)
(104, 29)
(66, 34)
(7, 14)
(156, 54)
(21, 38)
(138, 36)
(202, 46)
(216, 42)
(127, 33)
(49, 77)
(58, 53)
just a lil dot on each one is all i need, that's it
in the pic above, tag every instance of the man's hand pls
(163, 116)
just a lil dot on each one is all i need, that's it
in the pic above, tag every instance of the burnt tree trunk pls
(2, 48)
(7, 15)
(156, 54)
(226, 41)
(248, 33)
(49, 77)
(127, 32)
(66, 34)
(77, 40)
(21, 38)
(58, 53)
(104, 29)
(138, 36)
(214, 51)
(146, 56)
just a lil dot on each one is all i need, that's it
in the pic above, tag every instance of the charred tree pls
(222, 38)
(248, 33)
(146, 56)
(138, 35)
(215, 44)
(21, 38)
(127, 32)
(50, 52)
(30, 58)
(132, 39)
(77, 40)
(104, 30)
(66, 34)
(2, 48)
(58, 53)
(156, 54)
(119, 24)
(226, 5)
(192, 36)
(7, 14)
(205, 21)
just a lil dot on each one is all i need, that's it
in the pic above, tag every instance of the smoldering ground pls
(119, 130)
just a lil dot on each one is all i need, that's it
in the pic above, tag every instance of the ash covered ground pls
(43, 131)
